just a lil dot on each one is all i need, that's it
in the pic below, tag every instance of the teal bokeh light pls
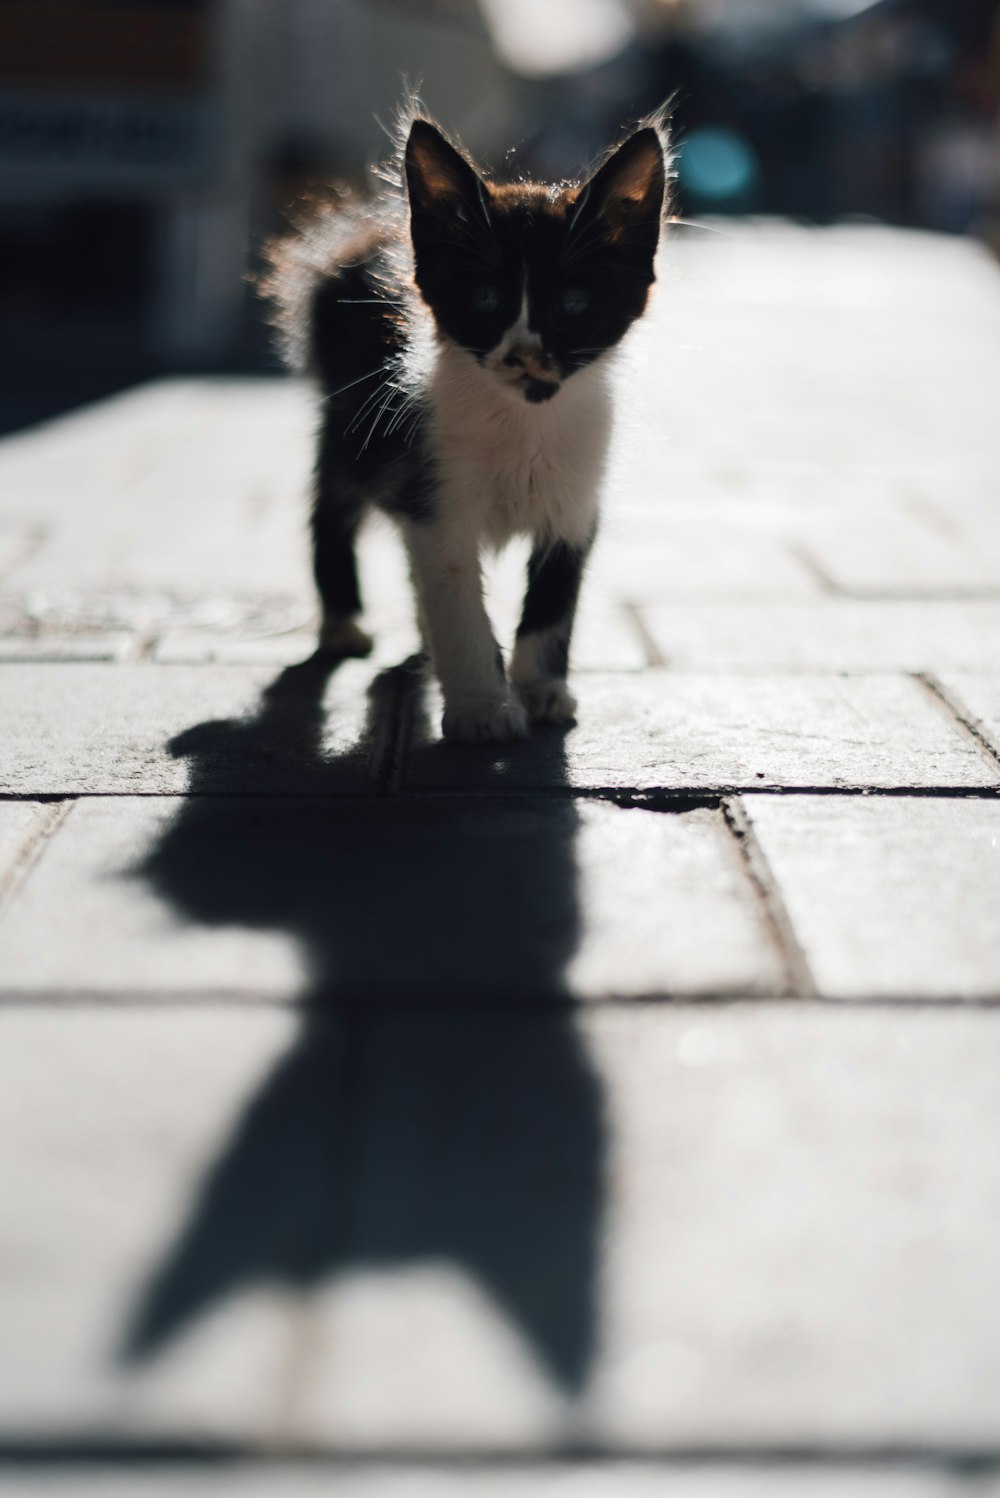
(718, 167)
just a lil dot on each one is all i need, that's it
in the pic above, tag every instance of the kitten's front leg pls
(541, 655)
(479, 706)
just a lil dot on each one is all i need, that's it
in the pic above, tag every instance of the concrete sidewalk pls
(611, 1110)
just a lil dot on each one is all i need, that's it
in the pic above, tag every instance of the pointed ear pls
(625, 195)
(438, 179)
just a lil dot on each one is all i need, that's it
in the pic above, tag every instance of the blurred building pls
(146, 146)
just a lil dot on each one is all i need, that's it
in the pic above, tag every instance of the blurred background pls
(147, 147)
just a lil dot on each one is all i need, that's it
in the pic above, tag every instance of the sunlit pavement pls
(612, 1109)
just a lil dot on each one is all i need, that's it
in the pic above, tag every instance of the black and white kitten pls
(460, 329)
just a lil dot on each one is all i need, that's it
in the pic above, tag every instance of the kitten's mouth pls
(537, 391)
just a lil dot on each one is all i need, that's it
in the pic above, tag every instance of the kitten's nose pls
(532, 358)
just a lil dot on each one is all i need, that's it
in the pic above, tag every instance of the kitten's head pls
(534, 281)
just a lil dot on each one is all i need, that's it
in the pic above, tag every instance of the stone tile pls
(646, 1229)
(646, 479)
(115, 646)
(604, 1479)
(13, 549)
(977, 697)
(19, 822)
(889, 897)
(202, 648)
(849, 267)
(665, 730)
(829, 636)
(797, 1169)
(395, 642)
(604, 639)
(119, 905)
(123, 487)
(685, 558)
(101, 729)
(895, 554)
(661, 548)
(270, 899)
(61, 611)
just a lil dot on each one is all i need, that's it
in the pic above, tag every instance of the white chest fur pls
(509, 467)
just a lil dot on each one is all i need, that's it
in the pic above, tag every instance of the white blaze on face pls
(519, 357)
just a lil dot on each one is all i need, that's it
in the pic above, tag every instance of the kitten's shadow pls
(437, 1103)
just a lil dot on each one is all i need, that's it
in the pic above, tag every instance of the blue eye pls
(485, 298)
(574, 300)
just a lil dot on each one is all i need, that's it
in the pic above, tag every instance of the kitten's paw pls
(485, 720)
(549, 702)
(344, 637)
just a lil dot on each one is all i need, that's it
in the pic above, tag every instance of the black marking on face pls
(574, 301)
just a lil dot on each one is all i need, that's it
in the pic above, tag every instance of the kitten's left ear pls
(625, 195)
(439, 181)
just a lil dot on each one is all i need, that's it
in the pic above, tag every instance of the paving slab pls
(846, 267)
(977, 698)
(112, 646)
(13, 549)
(277, 899)
(687, 557)
(203, 647)
(605, 640)
(668, 730)
(666, 550)
(602, 1479)
(645, 1229)
(121, 492)
(87, 729)
(19, 823)
(649, 478)
(889, 897)
(66, 610)
(828, 636)
(898, 553)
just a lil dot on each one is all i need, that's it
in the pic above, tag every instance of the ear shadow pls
(438, 1103)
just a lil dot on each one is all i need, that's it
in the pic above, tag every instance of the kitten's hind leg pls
(541, 654)
(336, 514)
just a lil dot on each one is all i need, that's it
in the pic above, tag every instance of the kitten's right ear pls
(624, 197)
(439, 181)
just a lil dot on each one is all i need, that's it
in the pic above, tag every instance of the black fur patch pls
(538, 391)
(554, 574)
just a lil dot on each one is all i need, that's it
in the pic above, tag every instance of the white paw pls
(485, 720)
(344, 637)
(548, 702)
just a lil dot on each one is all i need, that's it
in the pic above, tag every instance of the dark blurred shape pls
(148, 146)
(414, 1120)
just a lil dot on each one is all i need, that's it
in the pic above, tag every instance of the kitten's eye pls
(574, 300)
(485, 298)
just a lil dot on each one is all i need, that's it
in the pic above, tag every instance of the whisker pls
(332, 394)
(690, 223)
(378, 417)
(362, 412)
